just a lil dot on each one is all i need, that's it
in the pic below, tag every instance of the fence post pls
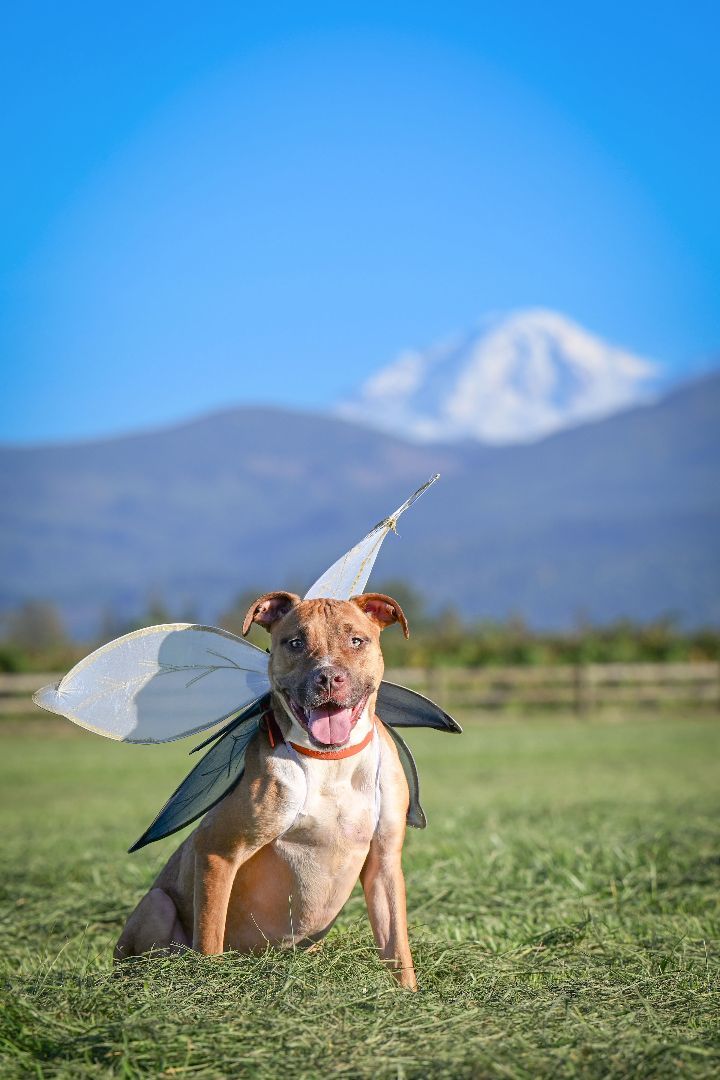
(582, 690)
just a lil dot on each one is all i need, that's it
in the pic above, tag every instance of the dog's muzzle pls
(329, 724)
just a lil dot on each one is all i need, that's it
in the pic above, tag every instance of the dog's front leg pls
(384, 887)
(229, 835)
(214, 876)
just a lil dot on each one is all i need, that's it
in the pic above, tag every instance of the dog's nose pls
(329, 678)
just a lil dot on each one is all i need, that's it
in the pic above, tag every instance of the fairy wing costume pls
(166, 682)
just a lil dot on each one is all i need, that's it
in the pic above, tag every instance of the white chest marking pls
(328, 791)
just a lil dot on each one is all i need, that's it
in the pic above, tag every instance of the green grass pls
(564, 911)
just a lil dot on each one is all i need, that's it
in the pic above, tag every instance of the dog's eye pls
(357, 642)
(295, 644)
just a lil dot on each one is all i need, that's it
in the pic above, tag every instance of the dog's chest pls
(341, 805)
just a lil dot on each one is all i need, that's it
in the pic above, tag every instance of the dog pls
(322, 802)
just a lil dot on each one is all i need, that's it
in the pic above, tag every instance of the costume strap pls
(275, 736)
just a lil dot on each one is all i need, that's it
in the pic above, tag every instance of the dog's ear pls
(268, 608)
(382, 609)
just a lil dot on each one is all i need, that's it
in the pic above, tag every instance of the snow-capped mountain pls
(514, 378)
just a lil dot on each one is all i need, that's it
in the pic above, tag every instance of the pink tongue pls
(329, 724)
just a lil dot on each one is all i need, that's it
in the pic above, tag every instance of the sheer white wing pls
(160, 683)
(348, 576)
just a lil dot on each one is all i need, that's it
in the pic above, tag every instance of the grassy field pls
(564, 908)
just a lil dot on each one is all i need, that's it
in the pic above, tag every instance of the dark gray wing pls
(400, 707)
(213, 777)
(416, 815)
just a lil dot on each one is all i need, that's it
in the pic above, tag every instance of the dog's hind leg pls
(153, 926)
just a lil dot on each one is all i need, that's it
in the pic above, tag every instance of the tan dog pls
(276, 860)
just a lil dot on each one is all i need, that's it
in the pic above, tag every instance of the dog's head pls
(325, 657)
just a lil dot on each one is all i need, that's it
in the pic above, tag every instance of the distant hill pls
(513, 378)
(617, 517)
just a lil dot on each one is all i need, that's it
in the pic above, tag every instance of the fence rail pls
(582, 689)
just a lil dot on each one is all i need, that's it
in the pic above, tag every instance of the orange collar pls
(276, 736)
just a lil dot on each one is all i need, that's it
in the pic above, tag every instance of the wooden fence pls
(583, 689)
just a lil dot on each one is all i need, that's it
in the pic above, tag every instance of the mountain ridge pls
(615, 517)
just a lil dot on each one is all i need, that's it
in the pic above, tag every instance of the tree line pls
(33, 637)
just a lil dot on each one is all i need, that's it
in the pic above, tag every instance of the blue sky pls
(207, 204)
